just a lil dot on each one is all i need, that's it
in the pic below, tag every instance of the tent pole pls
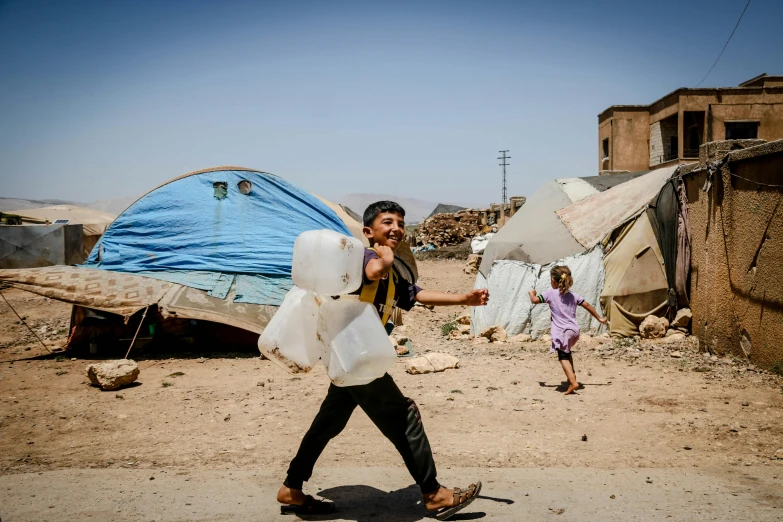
(137, 331)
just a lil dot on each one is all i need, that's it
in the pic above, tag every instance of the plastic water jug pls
(342, 378)
(327, 263)
(290, 338)
(351, 329)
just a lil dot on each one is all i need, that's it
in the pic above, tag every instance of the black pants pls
(395, 415)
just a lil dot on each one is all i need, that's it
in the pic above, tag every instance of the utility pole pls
(504, 165)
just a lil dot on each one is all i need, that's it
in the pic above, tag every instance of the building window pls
(742, 130)
(605, 147)
(693, 133)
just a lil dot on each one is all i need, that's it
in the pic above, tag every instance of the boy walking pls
(395, 415)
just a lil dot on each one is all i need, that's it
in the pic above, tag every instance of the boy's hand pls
(603, 320)
(386, 255)
(477, 297)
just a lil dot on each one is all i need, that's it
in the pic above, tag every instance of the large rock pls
(520, 338)
(496, 334)
(431, 362)
(653, 327)
(683, 318)
(464, 319)
(111, 375)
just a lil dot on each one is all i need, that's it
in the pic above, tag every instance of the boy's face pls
(388, 229)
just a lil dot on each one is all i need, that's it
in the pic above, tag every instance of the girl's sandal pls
(461, 500)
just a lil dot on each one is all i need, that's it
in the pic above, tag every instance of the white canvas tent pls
(571, 221)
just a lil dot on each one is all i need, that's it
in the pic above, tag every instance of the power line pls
(504, 165)
(725, 45)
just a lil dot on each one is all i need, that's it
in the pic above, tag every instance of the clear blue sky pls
(102, 99)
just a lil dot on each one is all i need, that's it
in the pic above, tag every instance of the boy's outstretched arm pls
(587, 306)
(472, 298)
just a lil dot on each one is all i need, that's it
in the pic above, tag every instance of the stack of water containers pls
(344, 334)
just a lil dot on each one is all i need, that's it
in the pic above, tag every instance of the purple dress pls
(565, 329)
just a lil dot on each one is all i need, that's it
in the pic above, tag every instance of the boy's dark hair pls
(379, 207)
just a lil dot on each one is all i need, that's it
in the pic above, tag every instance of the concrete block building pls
(670, 130)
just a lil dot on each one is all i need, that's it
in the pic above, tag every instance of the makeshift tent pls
(214, 245)
(93, 222)
(442, 208)
(573, 221)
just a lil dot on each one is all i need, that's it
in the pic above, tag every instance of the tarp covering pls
(576, 189)
(602, 183)
(683, 247)
(182, 225)
(663, 212)
(510, 306)
(592, 219)
(635, 282)
(534, 234)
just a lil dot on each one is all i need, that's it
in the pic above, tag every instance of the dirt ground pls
(643, 405)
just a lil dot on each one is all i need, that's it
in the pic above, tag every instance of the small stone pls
(745, 404)
(495, 334)
(431, 362)
(584, 438)
(653, 327)
(152, 478)
(520, 338)
(227, 417)
(546, 338)
(464, 319)
(683, 318)
(676, 355)
(402, 350)
(612, 497)
(687, 448)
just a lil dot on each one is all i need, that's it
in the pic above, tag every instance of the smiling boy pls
(395, 415)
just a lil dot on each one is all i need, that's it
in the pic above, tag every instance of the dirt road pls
(645, 408)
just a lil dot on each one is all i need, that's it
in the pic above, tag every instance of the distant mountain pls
(111, 206)
(11, 204)
(415, 209)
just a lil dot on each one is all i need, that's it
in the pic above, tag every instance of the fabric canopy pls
(591, 220)
(635, 281)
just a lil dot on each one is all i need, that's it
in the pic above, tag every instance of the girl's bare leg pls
(568, 368)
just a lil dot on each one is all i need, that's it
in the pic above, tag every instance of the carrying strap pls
(370, 291)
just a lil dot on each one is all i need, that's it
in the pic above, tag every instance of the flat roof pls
(746, 85)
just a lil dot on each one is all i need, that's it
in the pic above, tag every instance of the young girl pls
(565, 330)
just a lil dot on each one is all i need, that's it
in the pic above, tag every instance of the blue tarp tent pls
(214, 230)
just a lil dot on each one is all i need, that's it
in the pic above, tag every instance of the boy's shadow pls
(365, 503)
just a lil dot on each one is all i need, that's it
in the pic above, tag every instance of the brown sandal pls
(462, 498)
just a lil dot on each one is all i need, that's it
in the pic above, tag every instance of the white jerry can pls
(361, 350)
(327, 262)
(290, 338)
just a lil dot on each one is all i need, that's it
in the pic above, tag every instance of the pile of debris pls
(449, 229)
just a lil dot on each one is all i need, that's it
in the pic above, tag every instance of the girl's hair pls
(562, 276)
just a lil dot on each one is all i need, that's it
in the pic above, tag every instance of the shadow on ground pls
(365, 503)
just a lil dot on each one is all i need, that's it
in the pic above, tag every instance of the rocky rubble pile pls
(448, 229)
